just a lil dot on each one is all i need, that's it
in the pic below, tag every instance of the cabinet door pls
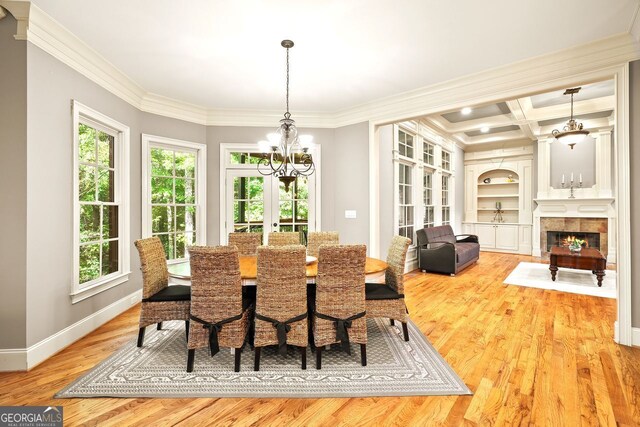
(507, 237)
(486, 235)
(468, 229)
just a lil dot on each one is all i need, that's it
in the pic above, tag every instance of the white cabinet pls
(501, 237)
(486, 235)
(498, 198)
(507, 237)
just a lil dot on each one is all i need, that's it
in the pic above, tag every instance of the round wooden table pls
(374, 270)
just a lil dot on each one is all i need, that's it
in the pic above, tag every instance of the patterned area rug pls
(583, 282)
(394, 368)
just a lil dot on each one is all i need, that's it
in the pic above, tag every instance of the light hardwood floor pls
(530, 356)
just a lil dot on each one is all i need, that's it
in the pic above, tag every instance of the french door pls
(260, 204)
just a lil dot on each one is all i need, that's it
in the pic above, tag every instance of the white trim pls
(635, 334)
(22, 359)
(50, 36)
(149, 141)
(102, 286)
(79, 292)
(623, 205)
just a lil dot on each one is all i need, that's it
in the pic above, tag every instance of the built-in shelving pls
(503, 191)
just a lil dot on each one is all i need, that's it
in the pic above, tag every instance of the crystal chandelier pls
(286, 153)
(572, 132)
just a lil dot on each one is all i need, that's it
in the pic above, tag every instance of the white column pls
(544, 168)
(604, 163)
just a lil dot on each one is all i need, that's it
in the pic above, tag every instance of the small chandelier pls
(285, 152)
(572, 132)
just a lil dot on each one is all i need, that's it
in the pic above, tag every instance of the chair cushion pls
(466, 252)
(172, 293)
(378, 291)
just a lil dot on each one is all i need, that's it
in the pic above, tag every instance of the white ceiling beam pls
(586, 106)
(470, 125)
(518, 114)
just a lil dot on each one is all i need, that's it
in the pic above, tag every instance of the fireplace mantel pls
(595, 207)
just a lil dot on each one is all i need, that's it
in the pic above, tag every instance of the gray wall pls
(386, 231)
(51, 87)
(346, 177)
(582, 159)
(13, 186)
(634, 160)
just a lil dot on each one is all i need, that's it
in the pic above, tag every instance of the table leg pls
(554, 270)
(600, 274)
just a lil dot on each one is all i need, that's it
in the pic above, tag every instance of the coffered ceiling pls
(528, 118)
(226, 54)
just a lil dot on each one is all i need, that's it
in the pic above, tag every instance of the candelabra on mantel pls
(571, 185)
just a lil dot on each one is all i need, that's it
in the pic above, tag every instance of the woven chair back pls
(247, 243)
(284, 238)
(394, 275)
(153, 263)
(216, 285)
(317, 238)
(340, 291)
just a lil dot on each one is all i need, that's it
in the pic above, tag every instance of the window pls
(427, 193)
(101, 195)
(405, 202)
(446, 209)
(427, 154)
(174, 199)
(405, 144)
(446, 160)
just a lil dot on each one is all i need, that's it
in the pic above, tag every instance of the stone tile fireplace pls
(582, 218)
(557, 232)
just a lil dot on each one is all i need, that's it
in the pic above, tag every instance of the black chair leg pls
(159, 326)
(363, 354)
(405, 331)
(191, 357)
(392, 322)
(186, 328)
(256, 361)
(304, 357)
(318, 357)
(236, 367)
(141, 336)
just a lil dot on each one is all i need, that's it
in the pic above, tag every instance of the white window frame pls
(448, 193)
(428, 169)
(154, 141)
(423, 135)
(226, 148)
(83, 114)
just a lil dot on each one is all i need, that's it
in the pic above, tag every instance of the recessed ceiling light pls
(466, 111)
(484, 129)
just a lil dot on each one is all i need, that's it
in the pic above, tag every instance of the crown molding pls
(46, 33)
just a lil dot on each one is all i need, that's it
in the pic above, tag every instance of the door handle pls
(275, 224)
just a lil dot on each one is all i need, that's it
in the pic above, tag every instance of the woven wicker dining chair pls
(317, 238)
(281, 301)
(218, 315)
(160, 301)
(387, 299)
(247, 243)
(286, 238)
(340, 309)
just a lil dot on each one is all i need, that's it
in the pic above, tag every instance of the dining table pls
(180, 272)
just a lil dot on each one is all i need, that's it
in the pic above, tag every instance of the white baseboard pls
(22, 359)
(13, 359)
(635, 334)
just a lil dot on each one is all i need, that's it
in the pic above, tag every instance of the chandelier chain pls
(287, 80)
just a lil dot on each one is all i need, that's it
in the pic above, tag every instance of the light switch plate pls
(350, 214)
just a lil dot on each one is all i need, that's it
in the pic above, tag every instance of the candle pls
(581, 178)
(563, 178)
(571, 176)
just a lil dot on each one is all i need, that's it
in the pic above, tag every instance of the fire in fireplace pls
(564, 238)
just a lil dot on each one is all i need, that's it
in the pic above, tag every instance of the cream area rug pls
(584, 282)
(395, 368)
